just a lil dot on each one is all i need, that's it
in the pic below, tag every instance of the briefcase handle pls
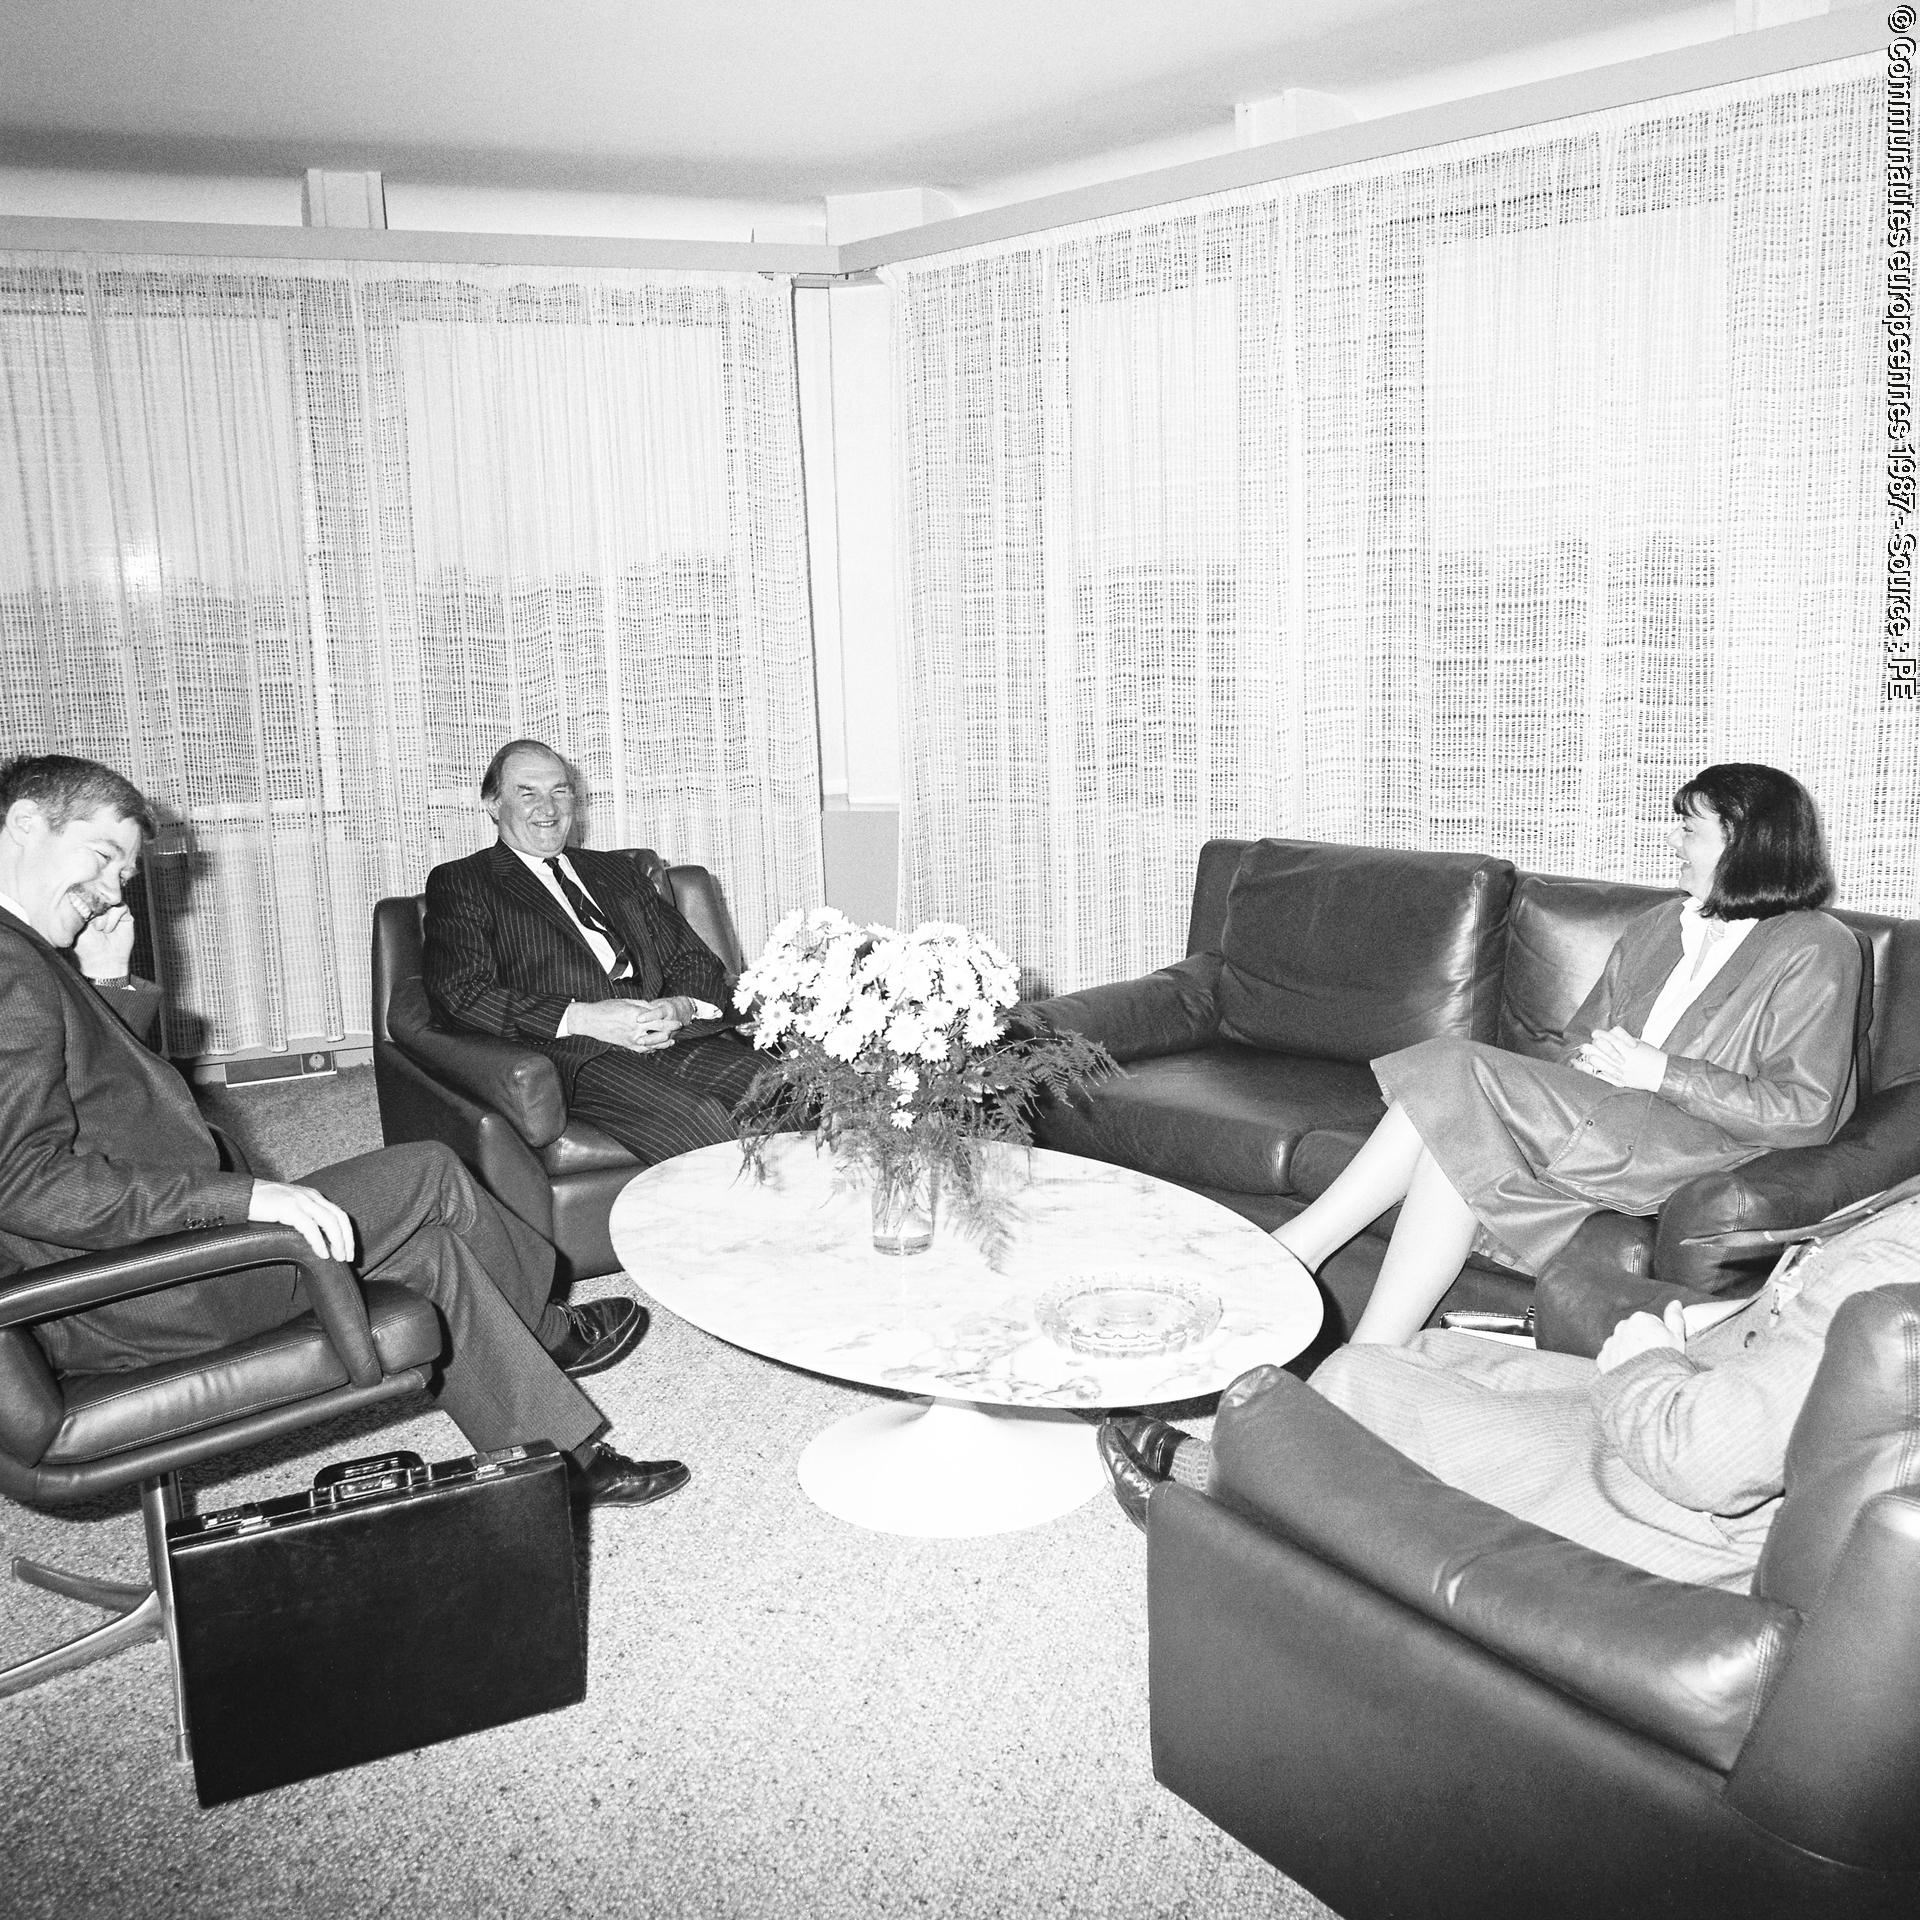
(348, 1480)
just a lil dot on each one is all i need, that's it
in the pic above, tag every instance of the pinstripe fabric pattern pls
(672, 1101)
(502, 958)
(1674, 1462)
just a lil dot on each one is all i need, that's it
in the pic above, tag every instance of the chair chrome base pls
(142, 1613)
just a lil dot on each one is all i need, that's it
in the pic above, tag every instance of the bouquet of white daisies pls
(897, 1048)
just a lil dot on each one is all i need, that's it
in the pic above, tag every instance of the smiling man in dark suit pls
(102, 1146)
(572, 952)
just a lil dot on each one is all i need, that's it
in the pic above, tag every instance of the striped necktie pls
(587, 912)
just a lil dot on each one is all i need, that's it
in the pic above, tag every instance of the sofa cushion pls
(1212, 882)
(1347, 953)
(1218, 1116)
(1320, 1159)
(1559, 933)
(109, 1412)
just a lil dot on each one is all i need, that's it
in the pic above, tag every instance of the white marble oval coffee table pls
(787, 1269)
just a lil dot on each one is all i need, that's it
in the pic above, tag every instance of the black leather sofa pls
(1422, 1708)
(1245, 1070)
(497, 1104)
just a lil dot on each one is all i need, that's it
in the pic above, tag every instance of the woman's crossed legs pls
(1431, 1239)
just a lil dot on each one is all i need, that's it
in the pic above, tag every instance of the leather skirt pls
(1534, 1147)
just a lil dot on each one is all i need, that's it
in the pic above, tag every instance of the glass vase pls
(904, 1193)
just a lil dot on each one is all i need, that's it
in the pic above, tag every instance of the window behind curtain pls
(1470, 499)
(297, 547)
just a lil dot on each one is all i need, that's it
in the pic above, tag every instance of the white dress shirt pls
(602, 947)
(537, 866)
(1705, 947)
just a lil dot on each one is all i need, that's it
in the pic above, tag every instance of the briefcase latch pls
(244, 1519)
(489, 1466)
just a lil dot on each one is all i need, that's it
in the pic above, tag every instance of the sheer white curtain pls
(1469, 499)
(296, 546)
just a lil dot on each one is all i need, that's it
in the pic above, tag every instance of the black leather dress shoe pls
(1151, 1442)
(1132, 1484)
(600, 1334)
(610, 1479)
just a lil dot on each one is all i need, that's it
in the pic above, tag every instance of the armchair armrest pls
(1710, 1242)
(519, 1082)
(1600, 1276)
(1686, 1666)
(91, 1280)
(1877, 1148)
(1164, 1012)
(1576, 1307)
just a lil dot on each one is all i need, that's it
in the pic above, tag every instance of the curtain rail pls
(1746, 56)
(231, 240)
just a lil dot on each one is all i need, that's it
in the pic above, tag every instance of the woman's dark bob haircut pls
(1776, 857)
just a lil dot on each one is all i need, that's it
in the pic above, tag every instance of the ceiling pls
(794, 98)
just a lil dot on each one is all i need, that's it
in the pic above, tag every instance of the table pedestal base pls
(951, 1469)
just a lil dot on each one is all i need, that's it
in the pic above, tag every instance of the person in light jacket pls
(1667, 1450)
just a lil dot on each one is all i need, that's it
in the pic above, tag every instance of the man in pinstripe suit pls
(572, 952)
(102, 1146)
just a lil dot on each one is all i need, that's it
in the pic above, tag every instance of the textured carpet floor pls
(289, 1127)
(786, 1715)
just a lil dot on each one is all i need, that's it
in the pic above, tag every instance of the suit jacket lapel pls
(1721, 988)
(513, 878)
(166, 1087)
(1662, 954)
(622, 893)
(58, 957)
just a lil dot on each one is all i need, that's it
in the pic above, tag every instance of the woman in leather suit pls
(1723, 1026)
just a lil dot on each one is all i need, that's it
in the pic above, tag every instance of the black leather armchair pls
(1420, 1707)
(69, 1437)
(498, 1104)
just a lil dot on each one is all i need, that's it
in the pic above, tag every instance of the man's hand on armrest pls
(326, 1228)
(1576, 1310)
(1641, 1333)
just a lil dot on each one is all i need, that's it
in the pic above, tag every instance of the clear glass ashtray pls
(1125, 1316)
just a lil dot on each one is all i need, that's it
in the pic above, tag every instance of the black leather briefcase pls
(394, 1605)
